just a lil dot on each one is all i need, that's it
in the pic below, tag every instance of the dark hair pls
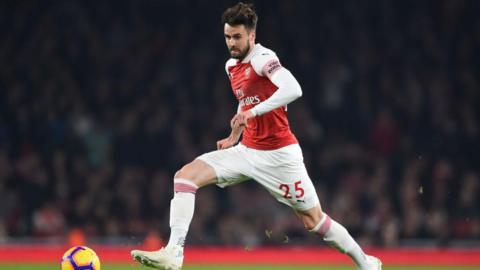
(239, 14)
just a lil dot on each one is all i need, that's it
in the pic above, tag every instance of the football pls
(80, 258)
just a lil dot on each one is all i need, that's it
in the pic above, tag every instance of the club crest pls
(247, 71)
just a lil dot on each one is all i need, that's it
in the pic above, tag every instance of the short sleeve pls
(229, 63)
(266, 64)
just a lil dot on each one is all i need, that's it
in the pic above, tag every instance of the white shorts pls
(281, 171)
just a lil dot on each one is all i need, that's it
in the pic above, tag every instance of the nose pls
(230, 42)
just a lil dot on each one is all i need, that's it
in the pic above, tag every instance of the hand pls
(226, 143)
(241, 119)
(238, 122)
(237, 130)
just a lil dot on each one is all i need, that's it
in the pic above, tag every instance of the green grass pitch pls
(233, 267)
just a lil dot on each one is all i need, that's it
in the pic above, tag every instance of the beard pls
(242, 54)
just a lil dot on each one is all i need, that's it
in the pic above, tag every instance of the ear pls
(253, 34)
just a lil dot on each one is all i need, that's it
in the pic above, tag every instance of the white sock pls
(338, 237)
(181, 212)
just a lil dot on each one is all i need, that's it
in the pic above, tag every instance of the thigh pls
(231, 165)
(198, 172)
(283, 173)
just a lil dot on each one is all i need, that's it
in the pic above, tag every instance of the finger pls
(235, 117)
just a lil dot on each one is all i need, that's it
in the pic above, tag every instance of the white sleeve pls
(229, 63)
(288, 90)
(266, 64)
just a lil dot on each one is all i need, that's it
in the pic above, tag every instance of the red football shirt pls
(251, 85)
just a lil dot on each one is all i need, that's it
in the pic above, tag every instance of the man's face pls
(239, 40)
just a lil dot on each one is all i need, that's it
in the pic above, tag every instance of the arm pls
(288, 90)
(237, 130)
(232, 122)
(234, 136)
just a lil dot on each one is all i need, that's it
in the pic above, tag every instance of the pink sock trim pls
(181, 187)
(325, 226)
(184, 185)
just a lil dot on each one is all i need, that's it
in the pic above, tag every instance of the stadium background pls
(102, 101)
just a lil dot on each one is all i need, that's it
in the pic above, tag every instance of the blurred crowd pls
(102, 101)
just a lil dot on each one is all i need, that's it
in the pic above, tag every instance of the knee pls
(182, 173)
(188, 172)
(197, 173)
(185, 174)
(183, 183)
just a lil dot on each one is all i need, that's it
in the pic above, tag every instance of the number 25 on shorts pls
(299, 191)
